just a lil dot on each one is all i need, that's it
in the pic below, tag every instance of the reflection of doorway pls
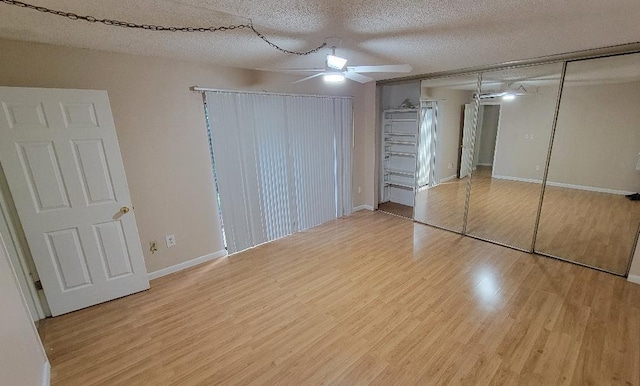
(485, 138)
(426, 162)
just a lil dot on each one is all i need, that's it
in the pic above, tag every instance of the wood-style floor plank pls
(367, 299)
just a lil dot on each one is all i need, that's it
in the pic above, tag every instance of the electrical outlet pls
(171, 240)
(537, 167)
(450, 166)
(359, 189)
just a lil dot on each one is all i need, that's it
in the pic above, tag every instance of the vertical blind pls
(283, 163)
(427, 144)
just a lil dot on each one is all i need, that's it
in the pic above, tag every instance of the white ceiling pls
(430, 35)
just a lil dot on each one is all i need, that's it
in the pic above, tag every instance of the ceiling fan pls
(336, 70)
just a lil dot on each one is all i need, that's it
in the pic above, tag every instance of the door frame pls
(21, 266)
(495, 152)
(460, 143)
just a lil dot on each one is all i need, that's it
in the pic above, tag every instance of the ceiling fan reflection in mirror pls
(336, 70)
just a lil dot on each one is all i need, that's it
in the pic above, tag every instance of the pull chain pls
(152, 27)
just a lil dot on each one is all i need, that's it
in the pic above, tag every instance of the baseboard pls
(563, 185)
(519, 179)
(186, 264)
(46, 374)
(447, 179)
(634, 279)
(589, 188)
(362, 207)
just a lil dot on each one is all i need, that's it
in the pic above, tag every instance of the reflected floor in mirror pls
(597, 229)
(592, 228)
(442, 205)
(502, 210)
(397, 209)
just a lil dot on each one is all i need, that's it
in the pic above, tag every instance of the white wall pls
(161, 130)
(597, 138)
(517, 154)
(22, 358)
(394, 95)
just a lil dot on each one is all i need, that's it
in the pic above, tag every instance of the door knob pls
(124, 210)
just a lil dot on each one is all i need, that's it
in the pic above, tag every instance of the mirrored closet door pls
(447, 108)
(595, 163)
(511, 141)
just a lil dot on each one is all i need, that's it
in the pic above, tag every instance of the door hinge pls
(38, 285)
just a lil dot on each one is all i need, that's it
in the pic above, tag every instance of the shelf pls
(400, 153)
(401, 111)
(400, 134)
(399, 185)
(400, 172)
(399, 142)
(401, 120)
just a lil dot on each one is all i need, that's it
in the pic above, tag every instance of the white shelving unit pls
(399, 155)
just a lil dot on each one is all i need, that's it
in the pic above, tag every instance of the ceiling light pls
(508, 97)
(336, 62)
(334, 77)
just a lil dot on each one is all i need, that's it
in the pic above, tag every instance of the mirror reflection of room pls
(586, 216)
(512, 136)
(446, 106)
(399, 148)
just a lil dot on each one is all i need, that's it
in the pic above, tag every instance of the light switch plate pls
(171, 240)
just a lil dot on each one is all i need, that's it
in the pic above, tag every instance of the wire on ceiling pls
(152, 27)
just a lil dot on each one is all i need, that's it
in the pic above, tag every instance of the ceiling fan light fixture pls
(336, 62)
(334, 77)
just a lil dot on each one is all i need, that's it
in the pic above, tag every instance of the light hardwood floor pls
(367, 299)
(597, 229)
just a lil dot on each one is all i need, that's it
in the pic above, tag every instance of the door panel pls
(113, 249)
(62, 160)
(41, 170)
(93, 171)
(27, 115)
(68, 255)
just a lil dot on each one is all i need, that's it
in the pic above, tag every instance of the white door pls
(60, 154)
(468, 131)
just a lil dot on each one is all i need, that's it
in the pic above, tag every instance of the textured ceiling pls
(429, 35)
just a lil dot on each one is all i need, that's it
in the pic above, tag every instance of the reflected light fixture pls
(508, 97)
(333, 77)
(334, 61)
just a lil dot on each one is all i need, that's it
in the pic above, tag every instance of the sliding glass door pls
(283, 163)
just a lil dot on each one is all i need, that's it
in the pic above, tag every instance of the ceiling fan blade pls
(357, 77)
(290, 69)
(308, 77)
(384, 68)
